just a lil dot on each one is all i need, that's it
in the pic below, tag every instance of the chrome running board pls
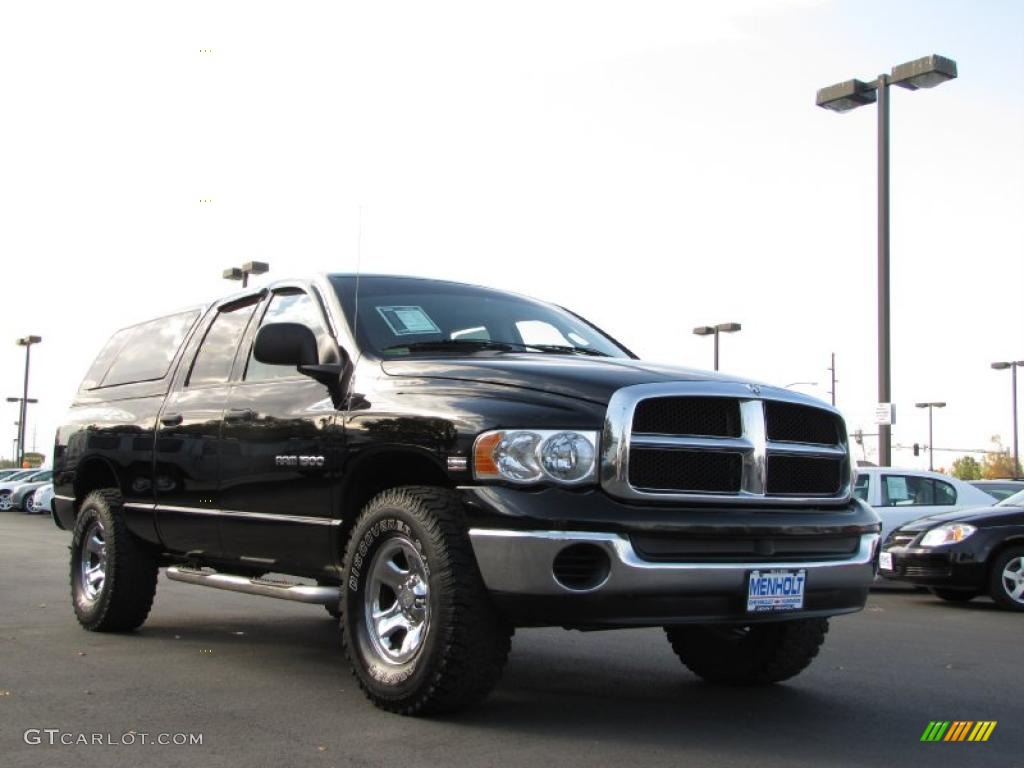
(302, 593)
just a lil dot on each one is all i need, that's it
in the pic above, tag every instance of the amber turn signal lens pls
(483, 455)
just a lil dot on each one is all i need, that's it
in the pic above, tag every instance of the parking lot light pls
(26, 342)
(931, 451)
(709, 330)
(248, 268)
(1013, 365)
(925, 72)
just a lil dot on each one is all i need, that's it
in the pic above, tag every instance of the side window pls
(146, 354)
(107, 355)
(860, 488)
(945, 494)
(289, 306)
(213, 360)
(908, 491)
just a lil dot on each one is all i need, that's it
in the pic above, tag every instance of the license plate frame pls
(774, 590)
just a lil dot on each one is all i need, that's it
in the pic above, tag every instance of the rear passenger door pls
(909, 497)
(188, 434)
(280, 447)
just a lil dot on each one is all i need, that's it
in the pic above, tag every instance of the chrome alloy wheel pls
(6, 502)
(397, 606)
(1013, 579)
(93, 566)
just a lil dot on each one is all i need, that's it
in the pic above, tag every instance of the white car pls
(42, 500)
(901, 495)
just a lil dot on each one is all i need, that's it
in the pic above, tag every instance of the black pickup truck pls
(438, 463)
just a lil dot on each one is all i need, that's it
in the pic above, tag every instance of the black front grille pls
(925, 571)
(899, 539)
(655, 469)
(702, 416)
(678, 548)
(804, 475)
(789, 423)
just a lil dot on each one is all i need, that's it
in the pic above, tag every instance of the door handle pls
(239, 414)
(171, 419)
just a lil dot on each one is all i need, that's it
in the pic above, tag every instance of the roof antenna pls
(359, 271)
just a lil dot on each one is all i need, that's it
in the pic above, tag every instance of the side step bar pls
(301, 593)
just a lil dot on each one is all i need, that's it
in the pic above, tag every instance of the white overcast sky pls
(652, 165)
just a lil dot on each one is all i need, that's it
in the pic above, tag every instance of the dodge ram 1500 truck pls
(437, 464)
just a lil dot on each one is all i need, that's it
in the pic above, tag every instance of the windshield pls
(402, 316)
(1017, 500)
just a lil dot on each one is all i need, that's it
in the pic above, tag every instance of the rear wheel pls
(954, 595)
(113, 577)
(757, 654)
(26, 502)
(417, 623)
(1006, 582)
(5, 501)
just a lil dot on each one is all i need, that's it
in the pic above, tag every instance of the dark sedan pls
(960, 555)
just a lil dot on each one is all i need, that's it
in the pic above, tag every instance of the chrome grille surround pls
(752, 445)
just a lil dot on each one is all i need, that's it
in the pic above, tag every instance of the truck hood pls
(586, 378)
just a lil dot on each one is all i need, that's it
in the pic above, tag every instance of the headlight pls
(950, 533)
(534, 455)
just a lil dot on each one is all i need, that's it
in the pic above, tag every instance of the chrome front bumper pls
(521, 563)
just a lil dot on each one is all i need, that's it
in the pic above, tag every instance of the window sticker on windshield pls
(896, 486)
(408, 321)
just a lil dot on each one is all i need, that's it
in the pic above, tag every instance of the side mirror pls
(286, 344)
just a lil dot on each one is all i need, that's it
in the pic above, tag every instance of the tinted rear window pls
(141, 353)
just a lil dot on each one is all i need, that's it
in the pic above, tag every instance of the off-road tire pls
(996, 588)
(758, 654)
(466, 642)
(954, 595)
(129, 584)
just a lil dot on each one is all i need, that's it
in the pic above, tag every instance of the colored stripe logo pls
(959, 730)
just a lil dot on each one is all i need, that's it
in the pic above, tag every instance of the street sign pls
(885, 414)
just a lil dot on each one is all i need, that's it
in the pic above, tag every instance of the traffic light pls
(917, 449)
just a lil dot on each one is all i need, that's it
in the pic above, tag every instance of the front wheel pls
(757, 654)
(113, 577)
(417, 622)
(6, 502)
(26, 502)
(1006, 584)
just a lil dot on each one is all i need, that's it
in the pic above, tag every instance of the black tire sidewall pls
(386, 680)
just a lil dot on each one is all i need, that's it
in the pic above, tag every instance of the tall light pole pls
(931, 448)
(926, 72)
(715, 330)
(26, 342)
(1013, 365)
(832, 371)
(249, 268)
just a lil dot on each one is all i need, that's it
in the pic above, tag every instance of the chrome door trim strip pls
(237, 514)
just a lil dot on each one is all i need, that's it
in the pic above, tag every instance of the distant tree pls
(967, 468)
(999, 463)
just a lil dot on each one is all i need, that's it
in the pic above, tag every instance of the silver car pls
(14, 488)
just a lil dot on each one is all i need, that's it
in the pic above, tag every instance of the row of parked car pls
(957, 539)
(30, 490)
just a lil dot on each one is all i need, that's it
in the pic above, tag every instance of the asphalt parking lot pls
(265, 683)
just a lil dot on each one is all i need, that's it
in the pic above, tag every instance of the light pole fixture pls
(715, 330)
(26, 342)
(249, 268)
(931, 450)
(1013, 365)
(925, 72)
